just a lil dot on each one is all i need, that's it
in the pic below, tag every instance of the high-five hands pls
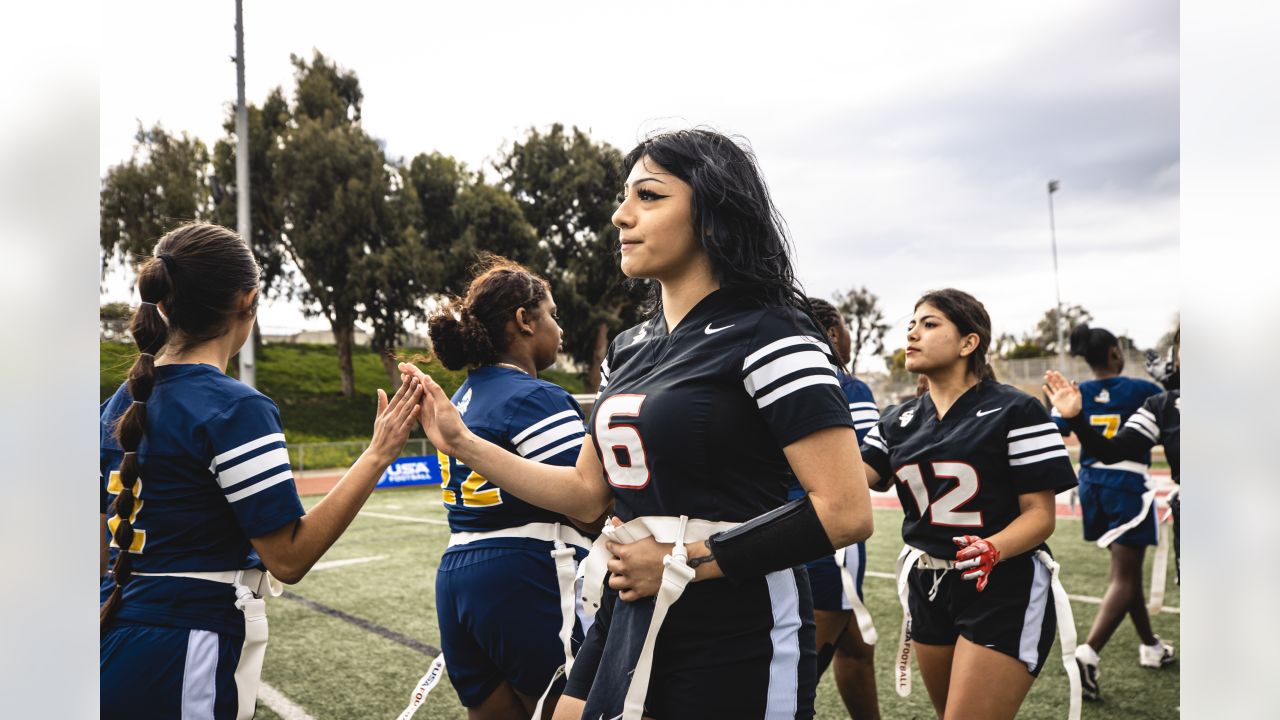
(1063, 393)
(976, 557)
(395, 419)
(441, 421)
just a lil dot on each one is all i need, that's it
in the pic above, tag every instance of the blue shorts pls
(1105, 507)
(499, 615)
(824, 578)
(149, 672)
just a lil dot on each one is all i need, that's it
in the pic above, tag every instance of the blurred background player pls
(204, 499)
(1117, 500)
(976, 465)
(841, 643)
(498, 588)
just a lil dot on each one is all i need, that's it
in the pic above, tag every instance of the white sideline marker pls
(279, 704)
(330, 564)
(405, 518)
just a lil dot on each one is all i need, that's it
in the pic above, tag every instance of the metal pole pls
(1057, 287)
(248, 369)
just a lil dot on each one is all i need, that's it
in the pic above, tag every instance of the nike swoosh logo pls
(711, 330)
(988, 412)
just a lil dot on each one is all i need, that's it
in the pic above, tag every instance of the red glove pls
(977, 557)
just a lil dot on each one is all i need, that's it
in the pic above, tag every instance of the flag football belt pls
(251, 588)
(676, 575)
(860, 612)
(912, 557)
(562, 536)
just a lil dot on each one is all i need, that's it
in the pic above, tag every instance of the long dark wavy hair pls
(733, 214)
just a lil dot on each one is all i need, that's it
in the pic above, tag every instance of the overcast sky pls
(908, 146)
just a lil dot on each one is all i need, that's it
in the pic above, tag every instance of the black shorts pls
(726, 650)
(1014, 615)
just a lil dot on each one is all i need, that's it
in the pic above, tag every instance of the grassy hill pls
(304, 381)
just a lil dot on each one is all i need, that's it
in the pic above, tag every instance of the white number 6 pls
(633, 473)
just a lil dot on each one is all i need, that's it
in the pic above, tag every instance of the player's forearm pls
(1126, 445)
(1031, 528)
(560, 489)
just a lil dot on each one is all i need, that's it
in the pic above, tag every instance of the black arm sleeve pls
(1128, 444)
(782, 538)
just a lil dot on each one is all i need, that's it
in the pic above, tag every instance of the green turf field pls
(350, 642)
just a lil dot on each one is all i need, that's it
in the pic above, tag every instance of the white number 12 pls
(944, 509)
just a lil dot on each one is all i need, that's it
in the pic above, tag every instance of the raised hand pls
(440, 419)
(975, 558)
(395, 419)
(1063, 393)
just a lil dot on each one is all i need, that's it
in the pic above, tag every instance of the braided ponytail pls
(150, 332)
(472, 330)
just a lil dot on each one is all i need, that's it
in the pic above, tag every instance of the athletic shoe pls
(1088, 666)
(1155, 656)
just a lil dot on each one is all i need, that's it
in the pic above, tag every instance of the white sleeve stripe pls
(861, 425)
(1047, 455)
(857, 405)
(558, 417)
(865, 415)
(1153, 437)
(1144, 423)
(543, 439)
(255, 466)
(1036, 443)
(1044, 427)
(779, 368)
(1148, 415)
(576, 442)
(768, 398)
(875, 442)
(251, 445)
(784, 343)
(260, 486)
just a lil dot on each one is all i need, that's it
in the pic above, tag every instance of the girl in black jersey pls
(976, 465)
(706, 412)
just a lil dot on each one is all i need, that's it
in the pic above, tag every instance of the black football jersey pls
(693, 421)
(962, 475)
(1157, 422)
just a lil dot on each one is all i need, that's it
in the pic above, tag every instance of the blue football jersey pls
(862, 409)
(533, 418)
(1108, 404)
(214, 472)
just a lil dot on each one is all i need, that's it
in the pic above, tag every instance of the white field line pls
(405, 518)
(1078, 598)
(329, 564)
(281, 705)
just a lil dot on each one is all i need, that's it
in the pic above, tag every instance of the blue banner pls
(408, 471)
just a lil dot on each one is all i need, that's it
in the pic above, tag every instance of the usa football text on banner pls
(407, 471)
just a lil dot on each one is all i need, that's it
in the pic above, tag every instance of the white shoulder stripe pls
(860, 405)
(575, 442)
(604, 369)
(1044, 427)
(1153, 436)
(543, 439)
(861, 425)
(558, 417)
(1148, 415)
(871, 415)
(259, 486)
(784, 343)
(1144, 422)
(236, 452)
(1036, 443)
(781, 367)
(253, 466)
(1047, 455)
(768, 398)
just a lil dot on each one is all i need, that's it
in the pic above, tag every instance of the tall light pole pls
(1057, 287)
(248, 370)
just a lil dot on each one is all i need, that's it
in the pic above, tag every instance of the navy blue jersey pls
(862, 410)
(693, 421)
(962, 475)
(214, 472)
(1107, 404)
(533, 418)
(1157, 422)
